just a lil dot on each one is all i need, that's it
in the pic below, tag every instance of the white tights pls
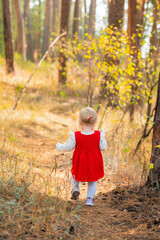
(92, 187)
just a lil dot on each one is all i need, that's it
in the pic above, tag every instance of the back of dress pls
(87, 162)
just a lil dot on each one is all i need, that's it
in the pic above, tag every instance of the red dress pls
(87, 161)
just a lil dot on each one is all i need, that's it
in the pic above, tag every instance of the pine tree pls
(64, 27)
(8, 36)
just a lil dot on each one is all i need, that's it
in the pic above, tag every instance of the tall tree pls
(132, 21)
(92, 17)
(8, 36)
(26, 16)
(154, 40)
(116, 13)
(154, 174)
(54, 9)
(26, 8)
(47, 25)
(132, 5)
(153, 54)
(76, 18)
(135, 19)
(21, 45)
(115, 19)
(85, 17)
(64, 27)
(30, 43)
(59, 8)
(80, 20)
(38, 40)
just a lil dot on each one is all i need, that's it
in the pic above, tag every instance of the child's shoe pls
(89, 202)
(75, 195)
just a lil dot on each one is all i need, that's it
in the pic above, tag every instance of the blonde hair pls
(88, 116)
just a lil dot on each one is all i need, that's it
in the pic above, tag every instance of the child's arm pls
(69, 145)
(103, 143)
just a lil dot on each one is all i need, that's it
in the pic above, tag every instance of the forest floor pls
(119, 213)
(35, 181)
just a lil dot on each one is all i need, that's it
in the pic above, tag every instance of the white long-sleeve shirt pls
(71, 142)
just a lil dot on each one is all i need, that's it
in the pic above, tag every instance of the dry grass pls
(35, 185)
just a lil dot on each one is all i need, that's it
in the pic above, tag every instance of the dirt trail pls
(127, 213)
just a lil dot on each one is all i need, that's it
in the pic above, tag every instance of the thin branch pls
(120, 122)
(107, 105)
(38, 65)
(144, 135)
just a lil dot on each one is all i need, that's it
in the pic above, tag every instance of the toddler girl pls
(87, 161)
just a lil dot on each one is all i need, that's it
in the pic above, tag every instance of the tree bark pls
(85, 18)
(38, 41)
(55, 16)
(154, 41)
(59, 6)
(154, 174)
(8, 36)
(92, 17)
(64, 27)
(46, 36)
(54, 8)
(135, 19)
(154, 54)
(21, 45)
(116, 13)
(132, 21)
(80, 21)
(115, 19)
(76, 19)
(26, 9)
(30, 45)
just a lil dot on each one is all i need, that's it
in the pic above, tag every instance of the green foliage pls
(63, 94)
(18, 89)
(27, 65)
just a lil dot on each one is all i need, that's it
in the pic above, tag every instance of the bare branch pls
(38, 65)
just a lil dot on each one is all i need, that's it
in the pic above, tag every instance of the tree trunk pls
(80, 21)
(154, 174)
(38, 41)
(30, 45)
(154, 54)
(115, 18)
(64, 27)
(92, 17)
(85, 18)
(21, 45)
(132, 21)
(135, 19)
(26, 9)
(76, 19)
(59, 6)
(8, 36)
(46, 36)
(54, 17)
(116, 13)
(154, 41)
(140, 21)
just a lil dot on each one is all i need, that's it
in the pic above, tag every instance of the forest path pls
(124, 213)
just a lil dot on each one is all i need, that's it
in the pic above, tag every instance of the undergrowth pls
(34, 201)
